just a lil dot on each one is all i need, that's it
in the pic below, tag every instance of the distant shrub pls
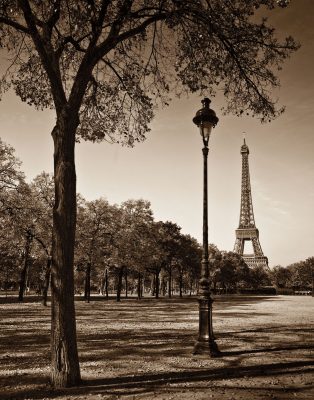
(285, 291)
(268, 290)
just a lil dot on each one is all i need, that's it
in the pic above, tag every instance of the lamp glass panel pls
(205, 129)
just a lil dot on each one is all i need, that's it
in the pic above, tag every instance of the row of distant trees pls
(231, 274)
(296, 276)
(113, 242)
(118, 248)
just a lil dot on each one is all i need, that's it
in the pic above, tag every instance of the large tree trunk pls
(46, 282)
(65, 370)
(25, 266)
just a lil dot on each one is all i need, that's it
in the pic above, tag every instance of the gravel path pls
(143, 350)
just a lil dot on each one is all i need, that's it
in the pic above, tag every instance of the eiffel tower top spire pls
(246, 210)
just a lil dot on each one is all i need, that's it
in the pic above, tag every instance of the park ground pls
(143, 349)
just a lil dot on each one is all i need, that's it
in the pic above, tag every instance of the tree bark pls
(46, 282)
(65, 370)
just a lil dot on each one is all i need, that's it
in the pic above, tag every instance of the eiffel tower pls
(247, 230)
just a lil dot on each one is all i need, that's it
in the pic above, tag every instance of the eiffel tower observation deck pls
(247, 230)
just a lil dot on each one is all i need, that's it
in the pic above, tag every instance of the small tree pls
(19, 207)
(11, 176)
(259, 276)
(43, 193)
(30, 213)
(188, 261)
(11, 248)
(155, 255)
(233, 271)
(227, 275)
(280, 276)
(132, 240)
(96, 220)
(309, 264)
(170, 243)
(215, 258)
(302, 273)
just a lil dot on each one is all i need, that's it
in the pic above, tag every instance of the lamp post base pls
(205, 343)
(208, 348)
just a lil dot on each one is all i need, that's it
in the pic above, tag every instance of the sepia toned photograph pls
(156, 199)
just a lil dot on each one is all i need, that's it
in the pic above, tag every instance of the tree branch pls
(46, 55)
(13, 24)
(54, 18)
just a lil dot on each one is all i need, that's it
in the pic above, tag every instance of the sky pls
(167, 169)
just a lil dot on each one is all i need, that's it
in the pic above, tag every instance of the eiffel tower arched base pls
(253, 261)
(250, 234)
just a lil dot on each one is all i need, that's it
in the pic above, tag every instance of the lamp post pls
(205, 119)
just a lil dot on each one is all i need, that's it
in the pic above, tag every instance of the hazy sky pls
(167, 168)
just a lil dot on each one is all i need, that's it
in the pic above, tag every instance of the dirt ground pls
(143, 349)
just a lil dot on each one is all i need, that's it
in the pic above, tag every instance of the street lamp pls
(205, 119)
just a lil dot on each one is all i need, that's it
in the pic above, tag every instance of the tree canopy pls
(11, 176)
(112, 60)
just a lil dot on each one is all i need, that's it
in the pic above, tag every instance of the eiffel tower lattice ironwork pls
(247, 230)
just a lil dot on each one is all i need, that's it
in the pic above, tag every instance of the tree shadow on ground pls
(267, 350)
(166, 343)
(11, 299)
(231, 299)
(145, 383)
(123, 336)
